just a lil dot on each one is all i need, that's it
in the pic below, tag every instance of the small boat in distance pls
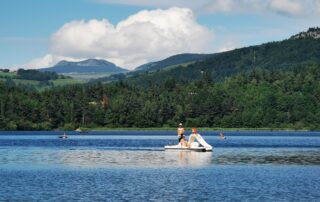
(195, 143)
(64, 136)
(79, 130)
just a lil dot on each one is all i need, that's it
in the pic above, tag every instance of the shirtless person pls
(180, 132)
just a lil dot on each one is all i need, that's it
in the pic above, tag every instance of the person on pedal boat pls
(180, 132)
(193, 135)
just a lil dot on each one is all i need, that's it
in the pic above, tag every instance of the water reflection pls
(99, 158)
(151, 159)
(90, 158)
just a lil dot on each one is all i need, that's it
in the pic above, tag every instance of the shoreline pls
(97, 129)
(199, 128)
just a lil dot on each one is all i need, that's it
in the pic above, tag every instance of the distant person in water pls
(221, 136)
(180, 133)
(64, 136)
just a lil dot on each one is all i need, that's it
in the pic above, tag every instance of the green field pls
(63, 82)
(182, 64)
(7, 74)
(86, 76)
(37, 84)
(26, 82)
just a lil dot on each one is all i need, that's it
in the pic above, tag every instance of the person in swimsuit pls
(180, 132)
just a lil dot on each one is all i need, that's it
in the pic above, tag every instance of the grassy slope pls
(181, 65)
(36, 84)
(26, 82)
(63, 82)
(86, 76)
(7, 74)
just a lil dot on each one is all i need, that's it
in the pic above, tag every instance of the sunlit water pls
(132, 166)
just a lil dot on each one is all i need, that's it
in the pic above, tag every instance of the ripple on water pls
(100, 158)
(240, 183)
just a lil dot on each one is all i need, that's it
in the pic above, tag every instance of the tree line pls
(255, 99)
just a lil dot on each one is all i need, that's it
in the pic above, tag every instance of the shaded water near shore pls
(132, 165)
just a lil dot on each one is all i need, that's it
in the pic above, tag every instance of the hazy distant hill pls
(165, 64)
(86, 66)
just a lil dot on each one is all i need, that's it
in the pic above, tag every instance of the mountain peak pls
(313, 32)
(85, 66)
(62, 63)
(88, 62)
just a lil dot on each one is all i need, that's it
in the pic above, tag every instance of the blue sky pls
(39, 33)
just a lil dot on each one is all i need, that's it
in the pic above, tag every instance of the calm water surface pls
(132, 166)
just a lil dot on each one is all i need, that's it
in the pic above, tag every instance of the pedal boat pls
(200, 146)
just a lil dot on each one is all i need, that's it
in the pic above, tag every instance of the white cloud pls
(289, 7)
(143, 37)
(286, 7)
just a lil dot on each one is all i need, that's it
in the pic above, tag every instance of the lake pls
(132, 166)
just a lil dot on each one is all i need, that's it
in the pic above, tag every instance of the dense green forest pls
(283, 55)
(257, 98)
(31, 74)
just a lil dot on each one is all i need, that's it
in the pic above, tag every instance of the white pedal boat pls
(200, 146)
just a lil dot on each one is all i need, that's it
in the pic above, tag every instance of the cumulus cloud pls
(142, 37)
(286, 7)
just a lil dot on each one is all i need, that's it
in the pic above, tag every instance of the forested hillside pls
(283, 55)
(258, 98)
(172, 61)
